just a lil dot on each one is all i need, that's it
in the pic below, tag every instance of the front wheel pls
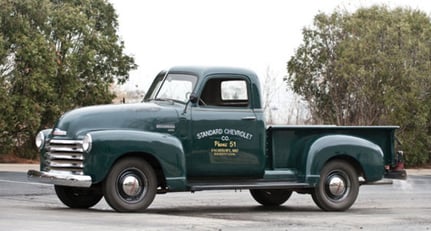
(131, 185)
(270, 197)
(78, 198)
(338, 187)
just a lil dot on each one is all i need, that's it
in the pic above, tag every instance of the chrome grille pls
(65, 156)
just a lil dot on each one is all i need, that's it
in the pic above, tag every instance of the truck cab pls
(220, 124)
(203, 128)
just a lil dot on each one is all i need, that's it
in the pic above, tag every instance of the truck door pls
(228, 136)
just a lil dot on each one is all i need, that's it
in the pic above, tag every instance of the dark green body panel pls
(110, 145)
(305, 149)
(243, 152)
(237, 149)
(139, 116)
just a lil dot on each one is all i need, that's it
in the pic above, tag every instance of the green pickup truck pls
(203, 128)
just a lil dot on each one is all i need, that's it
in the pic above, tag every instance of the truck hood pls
(139, 116)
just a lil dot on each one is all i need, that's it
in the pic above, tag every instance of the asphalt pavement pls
(17, 167)
(403, 205)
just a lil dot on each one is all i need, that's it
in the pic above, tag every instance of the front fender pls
(109, 145)
(368, 155)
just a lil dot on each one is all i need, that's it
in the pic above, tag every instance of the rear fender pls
(366, 154)
(108, 146)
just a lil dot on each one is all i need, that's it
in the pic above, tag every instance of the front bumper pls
(82, 181)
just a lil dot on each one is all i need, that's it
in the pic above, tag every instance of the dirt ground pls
(13, 159)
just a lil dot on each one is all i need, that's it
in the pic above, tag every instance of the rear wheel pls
(131, 185)
(81, 198)
(270, 197)
(338, 187)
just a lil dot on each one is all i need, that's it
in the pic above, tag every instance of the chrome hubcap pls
(131, 186)
(337, 187)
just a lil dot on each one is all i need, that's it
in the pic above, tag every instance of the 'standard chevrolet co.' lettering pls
(235, 132)
(226, 131)
(208, 133)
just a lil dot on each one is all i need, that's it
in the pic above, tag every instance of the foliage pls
(370, 67)
(54, 56)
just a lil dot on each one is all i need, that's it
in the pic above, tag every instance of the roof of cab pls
(201, 71)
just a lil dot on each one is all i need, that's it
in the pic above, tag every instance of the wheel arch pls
(364, 156)
(151, 160)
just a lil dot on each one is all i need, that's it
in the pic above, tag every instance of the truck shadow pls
(211, 210)
(223, 212)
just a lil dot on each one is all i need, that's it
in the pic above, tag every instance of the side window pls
(234, 90)
(224, 92)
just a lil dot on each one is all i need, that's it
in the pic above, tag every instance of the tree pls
(281, 105)
(55, 56)
(269, 91)
(369, 67)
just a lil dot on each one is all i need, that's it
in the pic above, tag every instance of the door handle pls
(249, 118)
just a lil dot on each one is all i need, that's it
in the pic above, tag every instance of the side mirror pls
(193, 98)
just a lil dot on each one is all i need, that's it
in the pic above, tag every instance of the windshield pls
(175, 87)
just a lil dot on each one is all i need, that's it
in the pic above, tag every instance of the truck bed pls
(288, 145)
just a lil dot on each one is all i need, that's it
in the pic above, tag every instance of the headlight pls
(86, 143)
(40, 140)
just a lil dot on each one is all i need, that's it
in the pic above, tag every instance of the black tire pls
(338, 187)
(130, 186)
(78, 198)
(270, 197)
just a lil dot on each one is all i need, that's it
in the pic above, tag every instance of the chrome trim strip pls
(66, 156)
(64, 149)
(57, 164)
(54, 141)
(59, 179)
(249, 118)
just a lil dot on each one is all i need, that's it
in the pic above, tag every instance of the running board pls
(199, 186)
